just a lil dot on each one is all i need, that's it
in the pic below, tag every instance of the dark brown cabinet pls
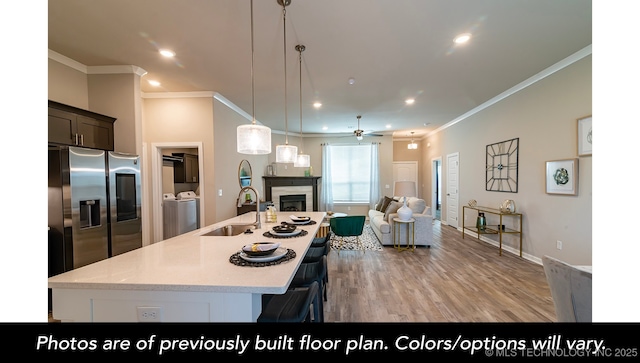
(69, 125)
(187, 170)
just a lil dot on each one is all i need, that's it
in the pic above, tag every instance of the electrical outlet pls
(559, 244)
(149, 314)
(348, 208)
(219, 192)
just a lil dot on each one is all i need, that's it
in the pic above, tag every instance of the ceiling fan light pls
(359, 137)
(286, 153)
(303, 161)
(253, 139)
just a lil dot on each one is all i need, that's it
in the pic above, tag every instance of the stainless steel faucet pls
(240, 199)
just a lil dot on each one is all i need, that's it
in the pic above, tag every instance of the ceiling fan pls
(360, 133)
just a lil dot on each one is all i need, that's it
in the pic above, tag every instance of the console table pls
(499, 228)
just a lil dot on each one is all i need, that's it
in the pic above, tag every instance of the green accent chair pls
(348, 226)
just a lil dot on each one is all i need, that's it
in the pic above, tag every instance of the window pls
(351, 173)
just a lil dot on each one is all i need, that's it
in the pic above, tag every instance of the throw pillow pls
(379, 204)
(385, 203)
(417, 206)
(392, 208)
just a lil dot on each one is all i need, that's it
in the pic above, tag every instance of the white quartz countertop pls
(192, 262)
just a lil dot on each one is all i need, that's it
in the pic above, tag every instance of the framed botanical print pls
(502, 166)
(585, 136)
(562, 177)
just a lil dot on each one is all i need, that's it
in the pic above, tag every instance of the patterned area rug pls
(367, 238)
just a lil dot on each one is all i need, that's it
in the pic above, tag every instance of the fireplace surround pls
(292, 185)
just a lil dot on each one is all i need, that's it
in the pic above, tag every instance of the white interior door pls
(453, 169)
(406, 171)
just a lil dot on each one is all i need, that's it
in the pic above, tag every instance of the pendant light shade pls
(303, 160)
(285, 153)
(253, 139)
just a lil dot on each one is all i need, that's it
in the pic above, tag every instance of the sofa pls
(381, 221)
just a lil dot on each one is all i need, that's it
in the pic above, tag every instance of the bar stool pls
(294, 306)
(320, 247)
(309, 273)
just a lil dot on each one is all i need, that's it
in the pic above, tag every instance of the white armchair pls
(570, 288)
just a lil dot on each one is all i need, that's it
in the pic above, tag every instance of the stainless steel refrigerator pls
(94, 206)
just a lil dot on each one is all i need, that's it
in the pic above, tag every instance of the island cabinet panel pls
(68, 125)
(172, 306)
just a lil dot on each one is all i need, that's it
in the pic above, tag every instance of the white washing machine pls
(179, 215)
(191, 195)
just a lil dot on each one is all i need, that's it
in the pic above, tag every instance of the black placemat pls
(239, 261)
(271, 235)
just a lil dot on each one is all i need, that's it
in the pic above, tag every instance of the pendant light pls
(285, 153)
(253, 139)
(413, 145)
(303, 160)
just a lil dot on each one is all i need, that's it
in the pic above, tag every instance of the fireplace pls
(276, 187)
(293, 202)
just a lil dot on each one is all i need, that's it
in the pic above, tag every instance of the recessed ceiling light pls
(409, 101)
(462, 38)
(154, 83)
(167, 53)
(352, 80)
(317, 105)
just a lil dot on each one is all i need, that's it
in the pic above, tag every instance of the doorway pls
(406, 171)
(157, 150)
(436, 187)
(453, 171)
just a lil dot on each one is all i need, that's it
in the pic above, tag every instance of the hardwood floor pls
(456, 280)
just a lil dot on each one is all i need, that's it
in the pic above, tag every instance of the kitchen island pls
(187, 278)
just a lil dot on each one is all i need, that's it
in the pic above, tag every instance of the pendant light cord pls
(284, 26)
(253, 98)
(300, 48)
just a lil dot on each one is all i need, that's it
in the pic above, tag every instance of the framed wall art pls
(584, 136)
(562, 177)
(502, 166)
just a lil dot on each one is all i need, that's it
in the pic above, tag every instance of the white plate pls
(300, 222)
(277, 254)
(294, 233)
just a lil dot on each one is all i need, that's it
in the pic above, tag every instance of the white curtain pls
(374, 188)
(326, 194)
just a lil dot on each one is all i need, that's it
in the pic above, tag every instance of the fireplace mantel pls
(284, 181)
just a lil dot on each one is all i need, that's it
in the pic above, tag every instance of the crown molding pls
(123, 69)
(584, 52)
(67, 61)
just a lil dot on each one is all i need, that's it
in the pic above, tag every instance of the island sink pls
(231, 230)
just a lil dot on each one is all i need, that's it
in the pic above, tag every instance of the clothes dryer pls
(192, 195)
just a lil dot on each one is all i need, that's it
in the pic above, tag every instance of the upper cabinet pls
(186, 171)
(69, 125)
